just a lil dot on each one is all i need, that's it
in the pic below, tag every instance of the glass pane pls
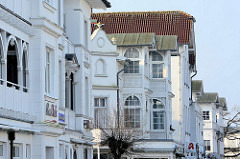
(132, 53)
(156, 114)
(156, 126)
(96, 102)
(156, 57)
(157, 70)
(137, 125)
(157, 104)
(156, 120)
(102, 102)
(15, 151)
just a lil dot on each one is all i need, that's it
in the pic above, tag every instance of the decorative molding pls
(48, 26)
(49, 7)
(97, 87)
(104, 53)
(16, 115)
(83, 116)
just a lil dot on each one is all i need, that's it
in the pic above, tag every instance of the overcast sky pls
(217, 31)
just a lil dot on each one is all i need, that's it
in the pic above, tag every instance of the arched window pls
(133, 66)
(24, 71)
(157, 64)
(132, 112)
(12, 64)
(100, 67)
(158, 115)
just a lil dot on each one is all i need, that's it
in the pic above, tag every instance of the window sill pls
(101, 75)
(49, 7)
(161, 131)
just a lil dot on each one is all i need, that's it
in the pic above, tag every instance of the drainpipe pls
(195, 73)
(118, 103)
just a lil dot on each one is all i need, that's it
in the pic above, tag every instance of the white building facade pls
(41, 54)
(144, 86)
(213, 126)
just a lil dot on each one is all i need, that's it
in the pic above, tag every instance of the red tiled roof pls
(161, 23)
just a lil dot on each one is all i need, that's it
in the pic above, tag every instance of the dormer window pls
(133, 66)
(157, 64)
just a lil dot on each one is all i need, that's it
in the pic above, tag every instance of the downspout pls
(118, 103)
(195, 73)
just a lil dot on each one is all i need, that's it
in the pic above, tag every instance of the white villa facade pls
(148, 89)
(43, 98)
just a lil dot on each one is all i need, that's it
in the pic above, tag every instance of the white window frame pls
(160, 67)
(133, 110)
(161, 111)
(100, 112)
(206, 115)
(134, 55)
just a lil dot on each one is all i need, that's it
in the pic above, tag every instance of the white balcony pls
(132, 82)
(14, 102)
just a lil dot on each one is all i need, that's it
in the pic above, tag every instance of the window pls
(16, 151)
(70, 91)
(158, 115)
(207, 146)
(132, 112)
(133, 66)
(75, 154)
(48, 71)
(157, 65)
(100, 112)
(1, 150)
(85, 153)
(28, 151)
(205, 115)
(49, 152)
(12, 64)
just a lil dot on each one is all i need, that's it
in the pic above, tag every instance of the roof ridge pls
(150, 12)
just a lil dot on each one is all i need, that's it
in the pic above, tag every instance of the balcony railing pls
(10, 84)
